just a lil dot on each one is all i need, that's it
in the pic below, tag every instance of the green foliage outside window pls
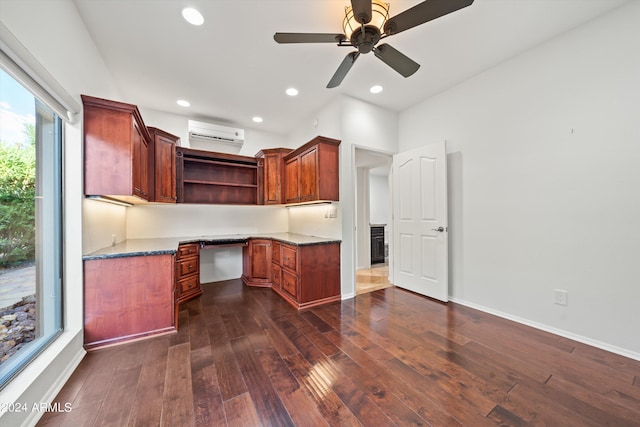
(17, 200)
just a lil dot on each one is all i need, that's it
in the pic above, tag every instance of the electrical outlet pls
(560, 297)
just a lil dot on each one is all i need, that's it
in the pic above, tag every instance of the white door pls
(420, 262)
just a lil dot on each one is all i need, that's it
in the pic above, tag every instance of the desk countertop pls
(169, 245)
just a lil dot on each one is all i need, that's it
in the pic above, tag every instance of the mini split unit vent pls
(215, 133)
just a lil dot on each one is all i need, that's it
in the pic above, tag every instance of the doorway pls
(373, 219)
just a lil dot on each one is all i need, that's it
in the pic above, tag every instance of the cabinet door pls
(292, 180)
(139, 162)
(309, 175)
(272, 179)
(165, 169)
(260, 260)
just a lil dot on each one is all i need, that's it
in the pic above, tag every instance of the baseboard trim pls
(584, 340)
(348, 296)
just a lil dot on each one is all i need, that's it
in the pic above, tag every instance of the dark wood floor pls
(243, 357)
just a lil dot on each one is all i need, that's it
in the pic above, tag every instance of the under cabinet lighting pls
(315, 202)
(110, 200)
(192, 16)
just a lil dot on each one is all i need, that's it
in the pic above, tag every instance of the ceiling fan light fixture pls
(380, 14)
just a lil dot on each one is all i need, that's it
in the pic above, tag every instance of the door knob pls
(439, 229)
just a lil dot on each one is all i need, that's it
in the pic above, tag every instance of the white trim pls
(348, 296)
(550, 329)
(60, 359)
(56, 387)
(20, 64)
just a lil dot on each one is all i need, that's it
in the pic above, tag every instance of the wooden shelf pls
(218, 178)
(219, 163)
(226, 184)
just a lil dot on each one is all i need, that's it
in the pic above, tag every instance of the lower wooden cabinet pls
(127, 298)
(305, 275)
(187, 272)
(256, 263)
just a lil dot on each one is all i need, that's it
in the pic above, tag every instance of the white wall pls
(255, 139)
(54, 33)
(356, 124)
(379, 199)
(543, 182)
(186, 220)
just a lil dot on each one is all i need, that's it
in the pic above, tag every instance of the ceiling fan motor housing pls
(365, 40)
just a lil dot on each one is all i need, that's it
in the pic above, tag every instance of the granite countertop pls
(169, 245)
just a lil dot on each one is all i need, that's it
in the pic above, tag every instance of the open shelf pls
(218, 178)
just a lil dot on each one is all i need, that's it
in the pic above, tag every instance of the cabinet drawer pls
(188, 266)
(185, 251)
(289, 257)
(275, 252)
(188, 285)
(290, 283)
(276, 274)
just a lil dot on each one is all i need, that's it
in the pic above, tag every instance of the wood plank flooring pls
(244, 357)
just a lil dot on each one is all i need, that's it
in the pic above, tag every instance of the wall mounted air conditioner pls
(215, 133)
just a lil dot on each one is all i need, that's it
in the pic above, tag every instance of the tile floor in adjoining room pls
(372, 279)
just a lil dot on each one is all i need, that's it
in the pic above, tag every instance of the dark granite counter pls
(169, 245)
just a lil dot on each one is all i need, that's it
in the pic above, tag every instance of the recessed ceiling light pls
(183, 103)
(257, 119)
(292, 91)
(192, 16)
(375, 89)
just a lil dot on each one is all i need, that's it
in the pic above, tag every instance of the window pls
(30, 226)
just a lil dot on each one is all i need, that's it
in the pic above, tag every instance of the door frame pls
(356, 212)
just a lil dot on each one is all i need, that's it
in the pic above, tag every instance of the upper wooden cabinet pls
(218, 178)
(273, 174)
(162, 173)
(311, 171)
(116, 144)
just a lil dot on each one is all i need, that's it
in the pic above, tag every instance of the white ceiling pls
(231, 69)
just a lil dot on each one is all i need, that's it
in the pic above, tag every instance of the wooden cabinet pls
(311, 171)
(187, 272)
(256, 262)
(162, 170)
(273, 174)
(276, 269)
(218, 178)
(127, 298)
(116, 156)
(305, 275)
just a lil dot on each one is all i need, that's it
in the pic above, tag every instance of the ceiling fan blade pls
(362, 10)
(423, 12)
(343, 69)
(308, 38)
(396, 60)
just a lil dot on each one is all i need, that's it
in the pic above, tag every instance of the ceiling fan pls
(367, 22)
